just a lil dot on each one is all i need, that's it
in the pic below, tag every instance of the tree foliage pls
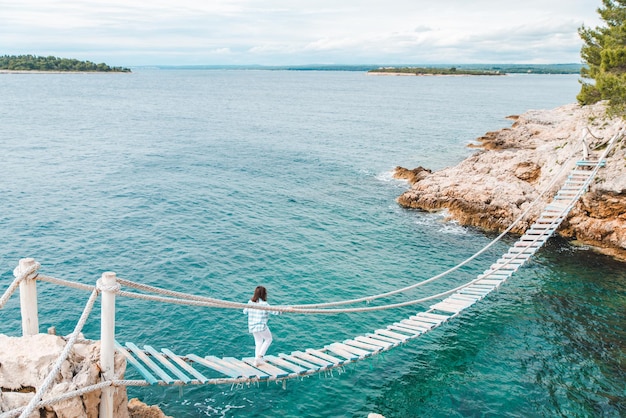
(36, 63)
(604, 53)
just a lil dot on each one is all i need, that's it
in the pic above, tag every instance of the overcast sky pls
(296, 32)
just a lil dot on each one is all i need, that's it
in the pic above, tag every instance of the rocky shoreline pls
(512, 166)
(26, 361)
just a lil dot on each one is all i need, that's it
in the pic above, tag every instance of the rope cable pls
(29, 273)
(62, 357)
(301, 307)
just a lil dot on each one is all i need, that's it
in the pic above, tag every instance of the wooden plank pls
(497, 275)
(217, 367)
(529, 251)
(462, 303)
(392, 334)
(359, 344)
(408, 329)
(148, 362)
(312, 359)
(356, 351)
(325, 356)
(186, 366)
(268, 368)
(154, 353)
(513, 261)
(423, 322)
(468, 298)
(373, 341)
(516, 256)
(285, 364)
(430, 315)
(447, 307)
(394, 341)
(237, 364)
(340, 352)
(487, 287)
(476, 292)
(459, 299)
(488, 281)
(137, 365)
(410, 332)
(299, 361)
(505, 269)
(417, 323)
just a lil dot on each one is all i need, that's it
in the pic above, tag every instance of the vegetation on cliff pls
(604, 53)
(37, 63)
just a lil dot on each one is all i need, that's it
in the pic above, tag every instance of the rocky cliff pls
(26, 361)
(512, 166)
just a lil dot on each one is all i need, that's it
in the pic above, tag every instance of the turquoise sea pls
(215, 181)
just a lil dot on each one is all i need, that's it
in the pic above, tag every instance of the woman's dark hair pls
(259, 293)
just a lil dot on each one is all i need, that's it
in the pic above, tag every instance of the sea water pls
(213, 182)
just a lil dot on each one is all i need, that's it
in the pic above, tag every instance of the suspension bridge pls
(164, 367)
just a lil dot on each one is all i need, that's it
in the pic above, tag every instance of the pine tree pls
(604, 53)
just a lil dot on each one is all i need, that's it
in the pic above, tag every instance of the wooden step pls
(149, 363)
(268, 368)
(161, 358)
(149, 377)
(184, 365)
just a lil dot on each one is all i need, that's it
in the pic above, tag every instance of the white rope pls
(195, 300)
(66, 283)
(62, 357)
(106, 288)
(29, 274)
(311, 308)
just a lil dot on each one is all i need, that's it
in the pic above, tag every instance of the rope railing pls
(29, 273)
(301, 308)
(59, 362)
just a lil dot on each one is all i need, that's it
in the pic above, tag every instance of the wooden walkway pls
(167, 368)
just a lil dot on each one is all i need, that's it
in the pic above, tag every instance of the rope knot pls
(103, 288)
(28, 274)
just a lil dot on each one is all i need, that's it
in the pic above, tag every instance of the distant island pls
(481, 69)
(432, 71)
(35, 63)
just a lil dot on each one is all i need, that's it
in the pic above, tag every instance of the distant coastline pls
(37, 64)
(433, 71)
(58, 72)
(501, 68)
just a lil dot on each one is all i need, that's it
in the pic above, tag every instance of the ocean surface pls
(215, 181)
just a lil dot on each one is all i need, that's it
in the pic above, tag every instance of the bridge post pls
(585, 150)
(28, 297)
(107, 285)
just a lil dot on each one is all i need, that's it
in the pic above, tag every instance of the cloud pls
(282, 32)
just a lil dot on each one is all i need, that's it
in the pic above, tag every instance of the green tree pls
(604, 53)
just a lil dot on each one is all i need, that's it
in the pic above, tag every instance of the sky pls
(298, 32)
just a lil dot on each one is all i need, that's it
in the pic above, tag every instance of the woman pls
(257, 324)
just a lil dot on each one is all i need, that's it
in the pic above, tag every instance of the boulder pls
(26, 361)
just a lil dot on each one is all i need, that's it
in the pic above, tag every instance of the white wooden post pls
(107, 342)
(585, 150)
(28, 299)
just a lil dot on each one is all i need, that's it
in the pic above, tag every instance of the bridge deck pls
(166, 367)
